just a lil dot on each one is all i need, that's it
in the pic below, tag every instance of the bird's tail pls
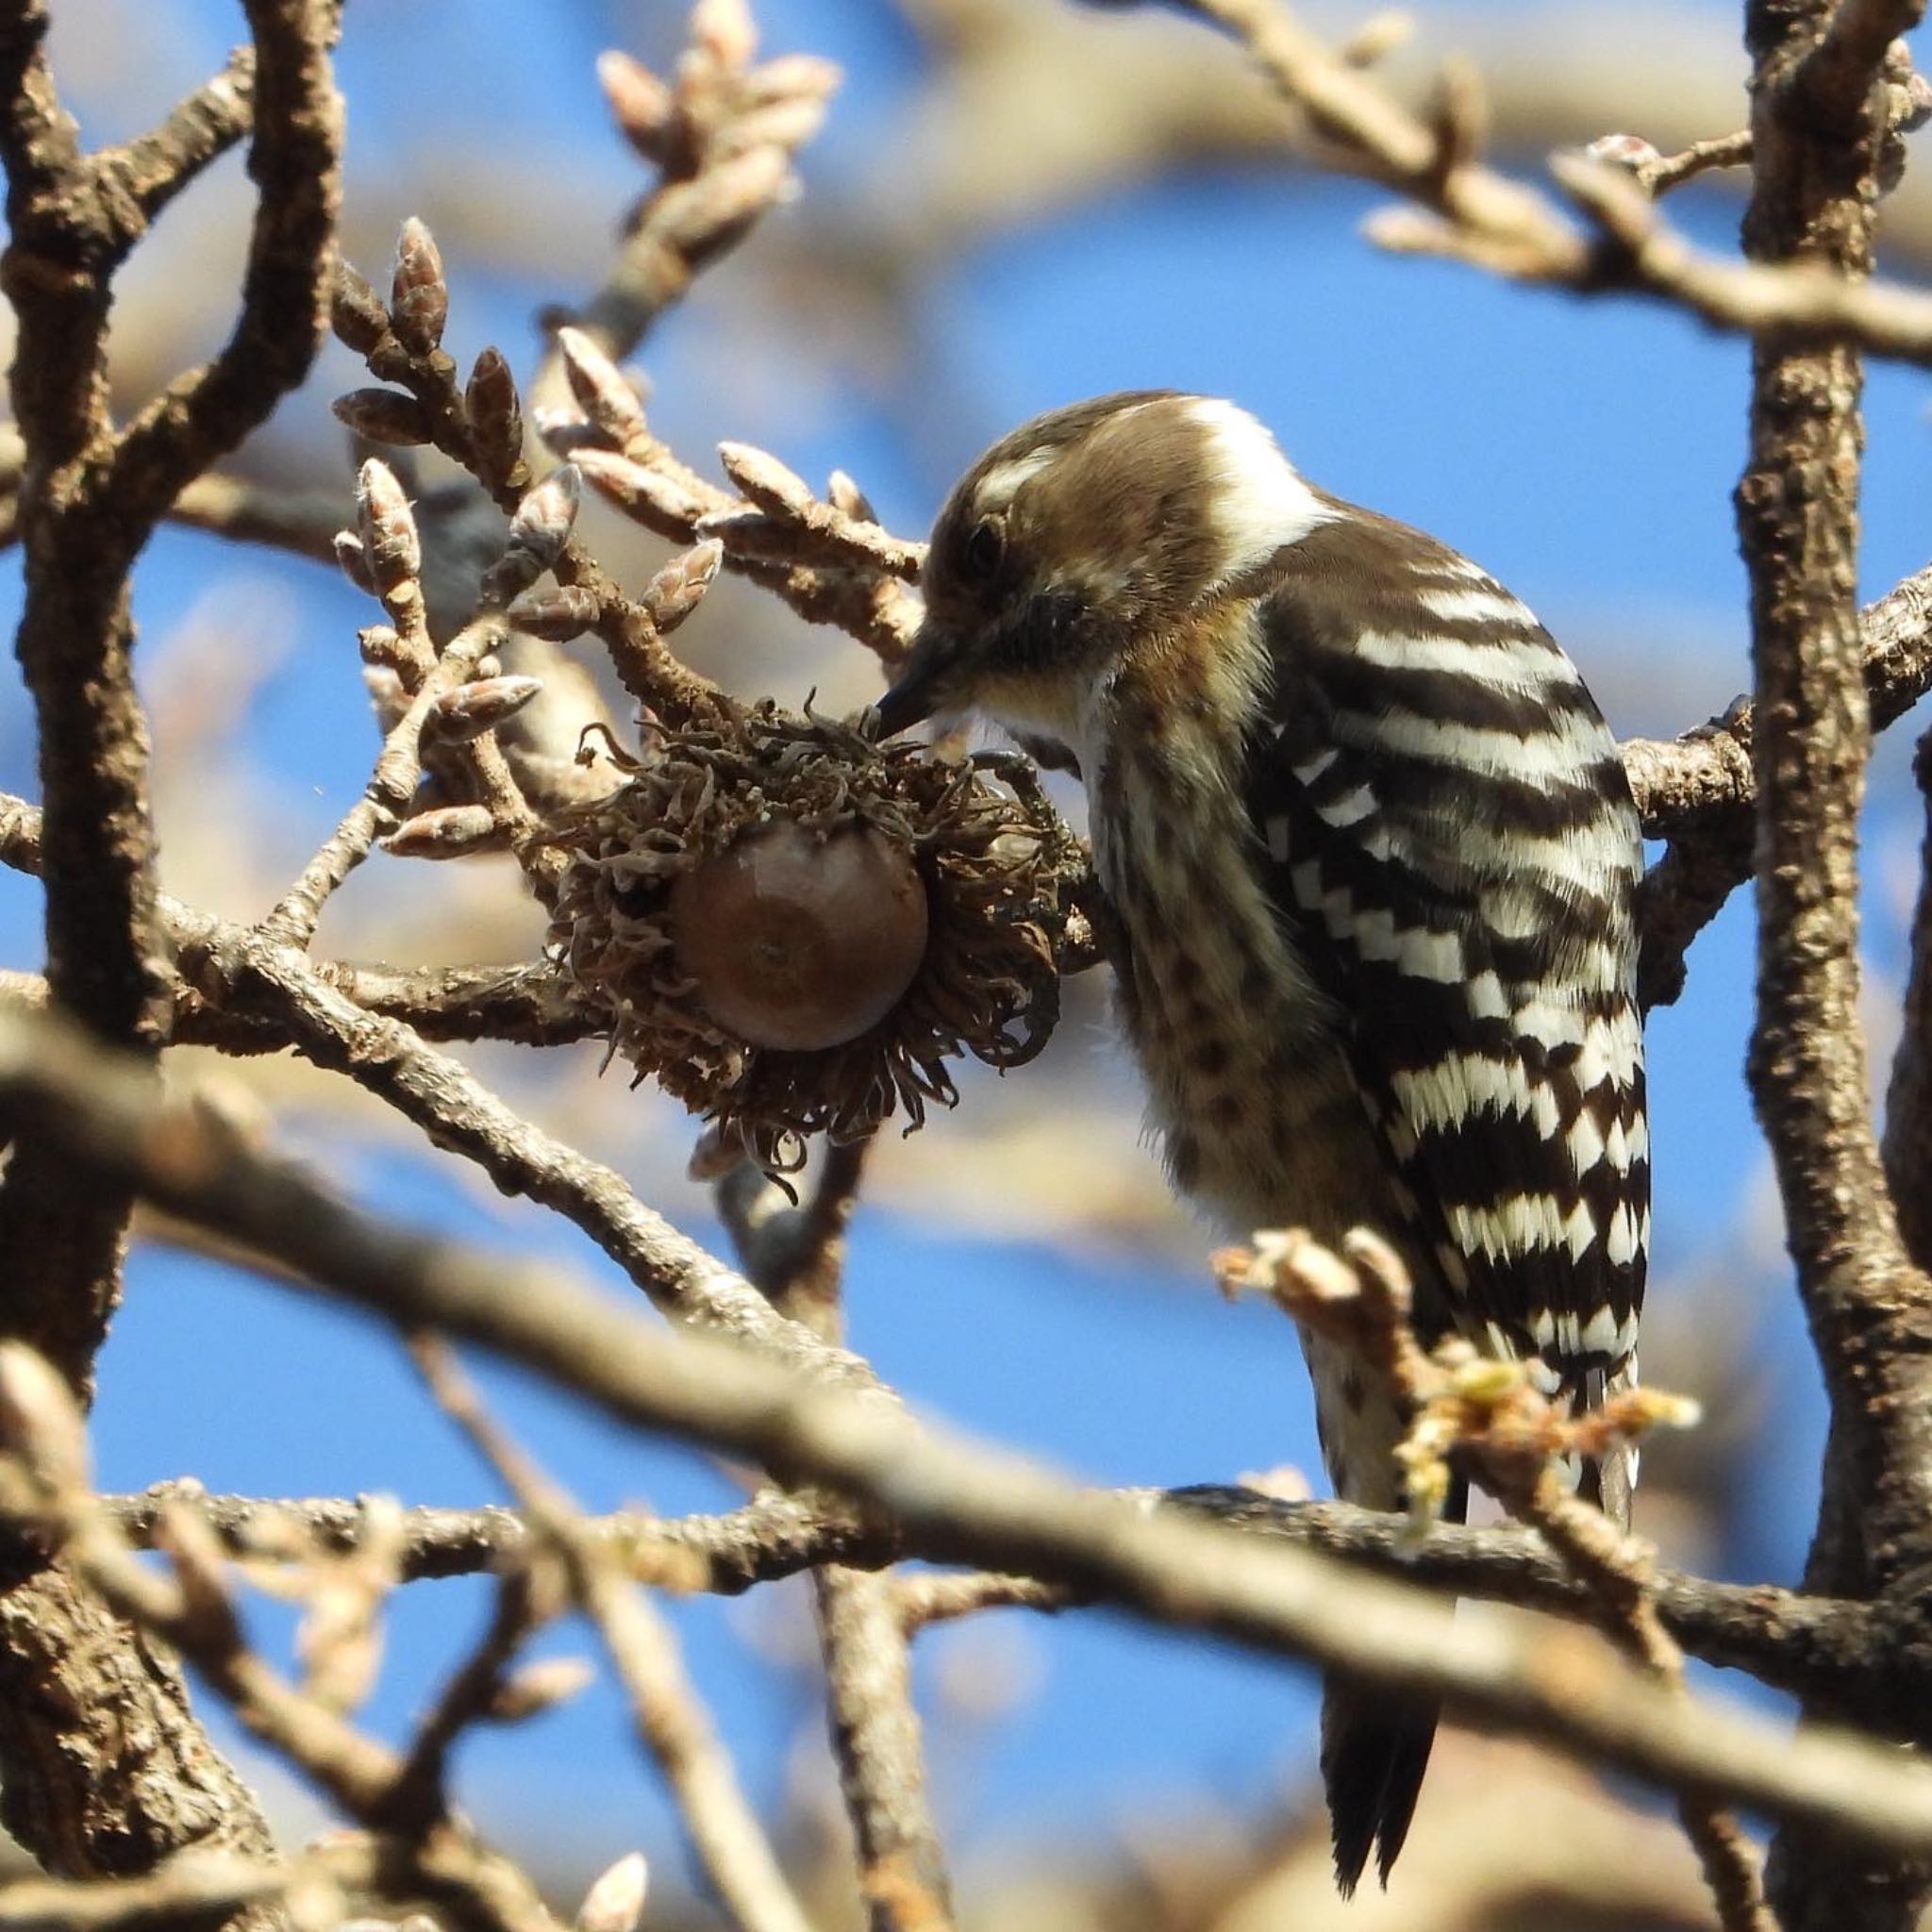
(1374, 1750)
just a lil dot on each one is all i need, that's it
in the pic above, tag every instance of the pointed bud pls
(471, 709)
(419, 296)
(544, 518)
(384, 415)
(452, 831)
(846, 496)
(792, 77)
(599, 386)
(1658, 1408)
(537, 533)
(616, 1902)
(1378, 1259)
(642, 107)
(1376, 37)
(495, 412)
(673, 593)
(700, 217)
(726, 31)
(356, 311)
(386, 526)
(1629, 151)
(539, 1686)
(783, 124)
(557, 615)
(765, 481)
(648, 496)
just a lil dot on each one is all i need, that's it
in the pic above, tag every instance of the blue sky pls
(1584, 451)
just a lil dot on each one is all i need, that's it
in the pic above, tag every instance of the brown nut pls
(801, 941)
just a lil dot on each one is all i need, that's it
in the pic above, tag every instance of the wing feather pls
(1453, 844)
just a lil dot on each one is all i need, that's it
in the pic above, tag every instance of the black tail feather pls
(1374, 1755)
(1375, 1751)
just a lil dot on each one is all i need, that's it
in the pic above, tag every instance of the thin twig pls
(1470, 212)
(153, 168)
(1496, 1427)
(71, 221)
(923, 1600)
(191, 1886)
(384, 798)
(1620, 1574)
(796, 1255)
(670, 1719)
(1659, 177)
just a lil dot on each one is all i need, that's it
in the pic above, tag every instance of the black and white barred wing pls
(1453, 842)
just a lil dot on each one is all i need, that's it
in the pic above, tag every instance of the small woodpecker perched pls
(1374, 860)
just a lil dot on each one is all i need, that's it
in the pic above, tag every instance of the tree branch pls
(1818, 175)
(155, 168)
(78, 1800)
(1864, 1661)
(670, 1719)
(796, 1255)
(1470, 212)
(295, 161)
(954, 1501)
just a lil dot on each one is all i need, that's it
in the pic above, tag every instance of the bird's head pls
(1082, 532)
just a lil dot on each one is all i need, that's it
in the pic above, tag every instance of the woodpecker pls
(1372, 858)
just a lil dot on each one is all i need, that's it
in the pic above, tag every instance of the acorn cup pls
(794, 928)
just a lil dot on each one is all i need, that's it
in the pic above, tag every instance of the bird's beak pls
(920, 689)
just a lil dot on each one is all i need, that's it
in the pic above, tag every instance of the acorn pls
(801, 941)
(795, 930)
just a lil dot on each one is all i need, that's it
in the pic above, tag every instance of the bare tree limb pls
(1865, 1660)
(295, 162)
(954, 1501)
(1818, 132)
(42, 1485)
(87, 502)
(462, 1115)
(192, 1885)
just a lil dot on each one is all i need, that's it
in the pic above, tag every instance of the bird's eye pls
(985, 547)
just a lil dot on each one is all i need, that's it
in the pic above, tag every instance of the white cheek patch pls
(1259, 501)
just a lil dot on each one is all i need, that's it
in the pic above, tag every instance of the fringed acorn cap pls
(794, 928)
